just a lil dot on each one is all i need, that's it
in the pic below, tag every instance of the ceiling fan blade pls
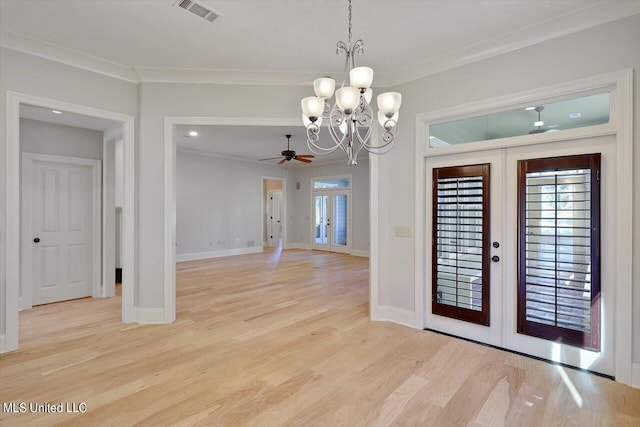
(309, 156)
(270, 158)
(302, 160)
(282, 161)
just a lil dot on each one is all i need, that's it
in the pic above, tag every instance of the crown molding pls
(42, 49)
(597, 14)
(589, 17)
(226, 77)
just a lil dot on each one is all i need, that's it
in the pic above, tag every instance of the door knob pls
(36, 240)
(495, 258)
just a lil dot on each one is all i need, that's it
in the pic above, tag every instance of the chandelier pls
(350, 119)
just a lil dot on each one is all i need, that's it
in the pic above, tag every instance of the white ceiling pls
(288, 42)
(251, 143)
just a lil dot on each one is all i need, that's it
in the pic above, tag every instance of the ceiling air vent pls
(198, 9)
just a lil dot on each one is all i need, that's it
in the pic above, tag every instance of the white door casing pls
(61, 209)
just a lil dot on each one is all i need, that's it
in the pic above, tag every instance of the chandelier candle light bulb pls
(351, 120)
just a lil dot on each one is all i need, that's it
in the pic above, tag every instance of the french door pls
(521, 242)
(331, 225)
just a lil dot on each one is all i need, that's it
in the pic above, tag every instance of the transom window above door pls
(331, 183)
(572, 113)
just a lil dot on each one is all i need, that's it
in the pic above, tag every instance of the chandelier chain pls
(349, 24)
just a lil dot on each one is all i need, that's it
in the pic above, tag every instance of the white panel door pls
(62, 223)
(275, 224)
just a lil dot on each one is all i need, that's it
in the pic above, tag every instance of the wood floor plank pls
(283, 339)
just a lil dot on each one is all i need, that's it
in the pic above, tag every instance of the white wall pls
(607, 48)
(299, 215)
(48, 138)
(219, 203)
(44, 78)
(190, 100)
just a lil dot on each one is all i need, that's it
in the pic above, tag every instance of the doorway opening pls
(77, 198)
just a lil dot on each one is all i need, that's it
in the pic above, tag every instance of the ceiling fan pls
(289, 154)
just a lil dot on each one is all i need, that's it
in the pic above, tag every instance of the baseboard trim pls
(8, 344)
(360, 252)
(635, 375)
(303, 246)
(395, 315)
(217, 254)
(146, 315)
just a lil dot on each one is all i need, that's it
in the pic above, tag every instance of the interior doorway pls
(124, 124)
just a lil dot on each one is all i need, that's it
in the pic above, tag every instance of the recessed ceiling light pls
(575, 115)
(432, 137)
(193, 133)
(56, 112)
(530, 108)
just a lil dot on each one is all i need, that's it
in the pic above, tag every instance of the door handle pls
(495, 258)
(36, 240)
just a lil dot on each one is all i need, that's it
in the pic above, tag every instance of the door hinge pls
(598, 175)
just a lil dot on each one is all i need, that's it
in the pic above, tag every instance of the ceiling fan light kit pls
(351, 118)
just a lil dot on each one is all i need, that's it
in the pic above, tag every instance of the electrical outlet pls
(403, 231)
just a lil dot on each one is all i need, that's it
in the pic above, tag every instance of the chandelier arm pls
(312, 137)
(313, 148)
(388, 136)
(339, 141)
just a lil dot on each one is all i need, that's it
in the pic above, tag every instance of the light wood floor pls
(284, 340)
